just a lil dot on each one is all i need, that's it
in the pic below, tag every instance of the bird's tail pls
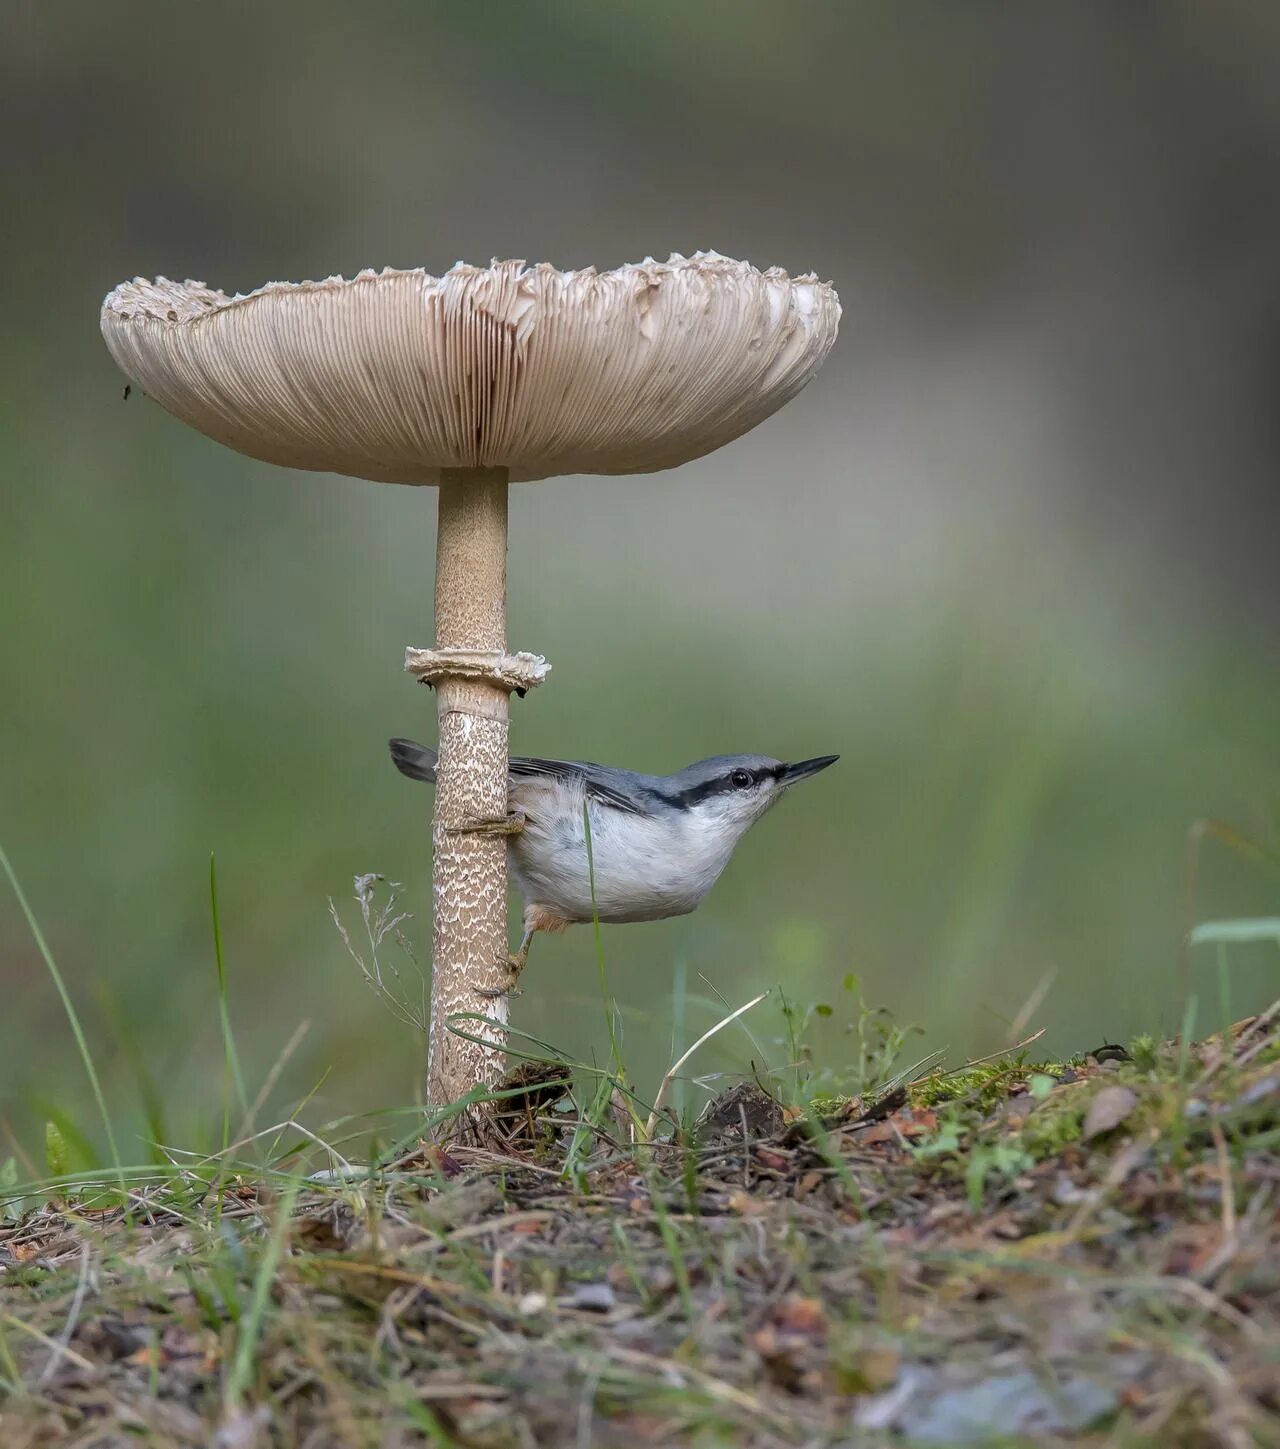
(414, 760)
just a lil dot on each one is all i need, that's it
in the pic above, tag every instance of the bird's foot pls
(498, 993)
(515, 965)
(511, 824)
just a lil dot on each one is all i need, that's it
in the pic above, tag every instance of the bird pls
(658, 842)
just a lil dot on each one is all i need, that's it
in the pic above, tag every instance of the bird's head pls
(729, 793)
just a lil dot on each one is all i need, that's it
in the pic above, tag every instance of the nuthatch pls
(658, 842)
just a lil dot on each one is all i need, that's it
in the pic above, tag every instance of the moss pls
(1270, 1053)
(1055, 1123)
(982, 1087)
(1144, 1052)
(831, 1106)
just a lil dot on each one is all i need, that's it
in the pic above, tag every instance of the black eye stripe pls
(724, 785)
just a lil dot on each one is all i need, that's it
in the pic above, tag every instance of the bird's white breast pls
(646, 867)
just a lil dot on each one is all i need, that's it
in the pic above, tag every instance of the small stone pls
(1107, 1110)
(929, 1410)
(243, 1429)
(594, 1297)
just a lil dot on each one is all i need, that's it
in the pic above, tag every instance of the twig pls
(1007, 1052)
(60, 1346)
(586, 1408)
(60, 1349)
(273, 1076)
(1211, 1302)
(423, 1282)
(672, 1070)
(1033, 1002)
(716, 1388)
(1227, 1183)
(1265, 1019)
(288, 1124)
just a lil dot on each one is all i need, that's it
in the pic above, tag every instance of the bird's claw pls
(511, 824)
(496, 993)
(515, 965)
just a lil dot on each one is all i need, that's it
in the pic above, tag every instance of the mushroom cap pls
(395, 375)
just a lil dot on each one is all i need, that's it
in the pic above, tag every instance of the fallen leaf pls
(440, 1161)
(905, 1123)
(916, 1124)
(796, 1314)
(792, 1343)
(746, 1205)
(807, 1184)
(1107, 1110)
(874, 1135)
(765, 1341)
(149, 1356)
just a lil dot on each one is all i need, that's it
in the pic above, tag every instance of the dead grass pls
(1006, 1255)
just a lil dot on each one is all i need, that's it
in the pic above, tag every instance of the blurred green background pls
(1012, 554)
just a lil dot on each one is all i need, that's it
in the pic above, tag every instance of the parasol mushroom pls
(469, 381)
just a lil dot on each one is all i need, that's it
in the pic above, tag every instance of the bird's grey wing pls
(595, 779)
(419, 763)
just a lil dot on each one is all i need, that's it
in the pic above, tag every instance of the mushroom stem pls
(469, 871)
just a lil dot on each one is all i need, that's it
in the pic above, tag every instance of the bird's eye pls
(740, 778)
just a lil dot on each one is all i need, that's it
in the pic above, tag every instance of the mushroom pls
(469, 381)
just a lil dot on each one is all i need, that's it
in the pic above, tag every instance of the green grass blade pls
(250, 1327)
(135, 1055)
(232, 1079)
(72, 1017)
(1236, 933)
(599, 940)
(679, 1001)
(12, 1382)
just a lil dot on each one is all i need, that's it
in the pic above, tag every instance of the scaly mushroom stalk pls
(467, 381)
(469, 866)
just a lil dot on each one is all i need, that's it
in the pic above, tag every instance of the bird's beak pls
(802, 771)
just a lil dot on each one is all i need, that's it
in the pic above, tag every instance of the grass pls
(68, 1006)
(851, 1252)
(769, 1286)
(250, 1327)
(233, 1079)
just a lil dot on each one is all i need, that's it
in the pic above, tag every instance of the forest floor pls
(1011, 1253)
